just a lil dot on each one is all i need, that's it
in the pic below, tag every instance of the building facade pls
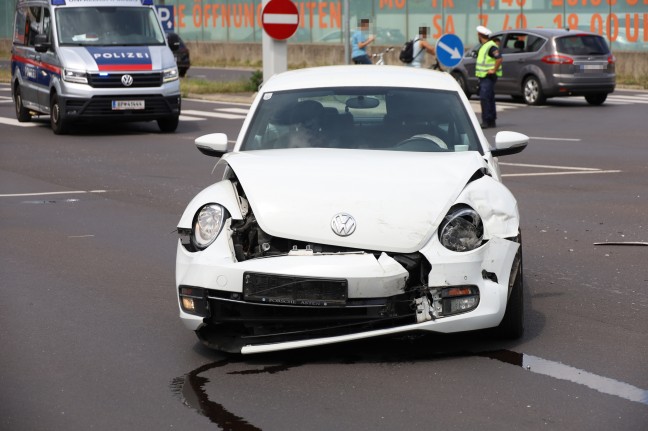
(624, 23)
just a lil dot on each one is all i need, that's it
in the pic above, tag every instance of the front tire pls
(22, 113)
(58, 123)
(512, 325)
(169, 124)
(532, 91)
(596, 99)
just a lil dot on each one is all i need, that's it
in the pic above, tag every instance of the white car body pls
(361, 222)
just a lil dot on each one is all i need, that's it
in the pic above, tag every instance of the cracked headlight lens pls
(461, 229)
(207, 225)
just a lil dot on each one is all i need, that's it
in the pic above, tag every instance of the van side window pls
(20, 26)
(46, 28)
(32, 24)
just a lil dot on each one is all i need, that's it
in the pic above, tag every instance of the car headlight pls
(78, 76)
(207, 225)
(170, 74)
(461, 229)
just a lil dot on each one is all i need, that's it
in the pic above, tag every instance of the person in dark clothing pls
(487, 70)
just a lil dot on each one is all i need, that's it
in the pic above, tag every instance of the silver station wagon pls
(543, 63)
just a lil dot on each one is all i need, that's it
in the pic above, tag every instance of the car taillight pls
(557, 59)
(611, 59)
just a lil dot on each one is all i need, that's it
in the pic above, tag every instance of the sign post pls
(280, 19)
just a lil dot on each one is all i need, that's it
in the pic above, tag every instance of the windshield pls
(107, 26)
(393, 119)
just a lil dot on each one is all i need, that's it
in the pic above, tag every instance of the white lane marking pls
(7, 101)
(541, 174)
(555, 139)
(566, 170)
(234, 110)
(12, 122)
(214, 115)
(72, 192)
(499, 107)
(187, 118)
(549, 167)
(627, 99)
(5, 89)
(81, 236)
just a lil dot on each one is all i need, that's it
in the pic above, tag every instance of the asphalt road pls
(88, 316)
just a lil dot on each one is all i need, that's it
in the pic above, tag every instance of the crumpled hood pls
(396, 198)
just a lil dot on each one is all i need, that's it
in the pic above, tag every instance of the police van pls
(93, 60)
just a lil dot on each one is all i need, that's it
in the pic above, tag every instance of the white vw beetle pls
(357, 202)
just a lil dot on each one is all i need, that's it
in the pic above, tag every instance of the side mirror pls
(41, 43)
(213, 145)
(174, 41)
(507, 143)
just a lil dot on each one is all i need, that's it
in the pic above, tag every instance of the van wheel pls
(512, 325)
(596, 99)
(168, 124)
(59, 125)
(532, 91)
(22, 113)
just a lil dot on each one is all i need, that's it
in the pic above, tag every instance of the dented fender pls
(496, 206)
(451, 268)
(222, 193)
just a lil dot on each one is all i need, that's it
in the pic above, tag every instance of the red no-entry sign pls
(280, 19)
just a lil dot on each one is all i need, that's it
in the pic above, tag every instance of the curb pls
(243, 98)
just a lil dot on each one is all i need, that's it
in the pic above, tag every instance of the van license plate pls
(121, 105)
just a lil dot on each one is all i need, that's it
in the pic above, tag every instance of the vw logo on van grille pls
(343, 224)
(127, 80)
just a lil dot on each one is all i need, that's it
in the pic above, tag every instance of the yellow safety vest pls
(485, 62)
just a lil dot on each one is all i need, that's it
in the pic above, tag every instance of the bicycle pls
(381, 56)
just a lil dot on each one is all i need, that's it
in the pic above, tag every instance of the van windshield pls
(106, 26)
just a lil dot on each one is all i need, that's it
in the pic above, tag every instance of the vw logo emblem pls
(127, 80)
(343, 224)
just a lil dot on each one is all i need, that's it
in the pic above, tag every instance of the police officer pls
(487, 70)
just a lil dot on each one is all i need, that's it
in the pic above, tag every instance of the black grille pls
(289, 290)
(113, 80)
(102, 106)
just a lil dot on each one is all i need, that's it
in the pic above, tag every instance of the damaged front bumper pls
(250, 306)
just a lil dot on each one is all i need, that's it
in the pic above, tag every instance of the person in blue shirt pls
(359, 42)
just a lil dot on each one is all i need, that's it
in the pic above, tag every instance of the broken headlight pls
(208, 223)
(461, 229)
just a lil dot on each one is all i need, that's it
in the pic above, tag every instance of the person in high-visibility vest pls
(487, 70)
